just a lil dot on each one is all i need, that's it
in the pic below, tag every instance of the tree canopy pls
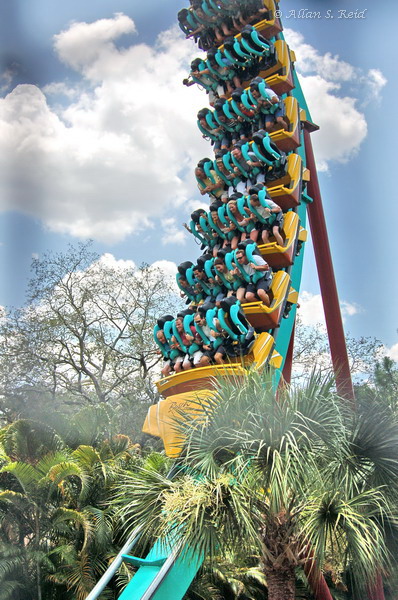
(56, 516)
(278, 475)
(85, 333)
(76, 369)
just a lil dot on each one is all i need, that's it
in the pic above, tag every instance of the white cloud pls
(169, 269)
(5, 80)
(174, 234)
(391, 352)
(333, 68)
(121, 153)
(311, 309)
(343, 126)
(166, 266)
(349, 309)
(121, 264)
(309, 60)
(376, 81)
(84, 45)
(127, 269)
(60, 88)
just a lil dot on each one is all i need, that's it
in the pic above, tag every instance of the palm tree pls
(234, 578)
(56, 522)
(300, 479)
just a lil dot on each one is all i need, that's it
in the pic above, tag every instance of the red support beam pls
(376, 590)
(327, 282)
(315, 578)
(287, 367)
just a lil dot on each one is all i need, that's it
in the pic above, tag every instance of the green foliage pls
(311, 350)
(75, 385)
(274, 476)
(28, 439)
(85, 337)
(57, 523)
(386, 376)
(235, 578)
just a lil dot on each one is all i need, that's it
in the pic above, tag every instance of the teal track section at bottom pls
(172, 584)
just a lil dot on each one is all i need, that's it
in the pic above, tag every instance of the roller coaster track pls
(166, 573)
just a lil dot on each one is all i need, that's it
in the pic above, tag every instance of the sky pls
(98, 140)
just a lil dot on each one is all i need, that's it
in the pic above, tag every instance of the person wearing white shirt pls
(254, 291)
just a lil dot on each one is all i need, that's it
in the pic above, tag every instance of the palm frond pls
(88, 456)
(46, 462)
(92, 423)
(61, 472)
(28, 439)
(102, 526)
(374, 447)
(273, 474)
(138, 496)
(12, 560)
(26, 474)
(12, 589)
(76, 517)
(347, 527)
(12, 497)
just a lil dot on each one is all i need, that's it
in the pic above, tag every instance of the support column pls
(287, 368)
(376, 590)
(327, 282)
